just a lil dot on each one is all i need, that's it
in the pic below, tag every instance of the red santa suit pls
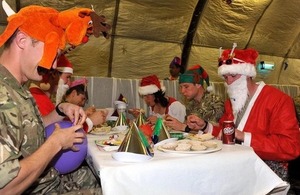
(269, 123)
(43, 102)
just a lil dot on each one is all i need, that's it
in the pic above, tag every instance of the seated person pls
(175, 69)
(264, 117)
(153, 93)
(200, 100)
(77, 94)
(65, 69)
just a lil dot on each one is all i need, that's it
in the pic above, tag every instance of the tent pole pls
(188, 42)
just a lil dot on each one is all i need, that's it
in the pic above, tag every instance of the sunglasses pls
(227, 62)
(230, 61)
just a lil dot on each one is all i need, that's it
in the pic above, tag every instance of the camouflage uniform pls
(22, 133)
(210, 108)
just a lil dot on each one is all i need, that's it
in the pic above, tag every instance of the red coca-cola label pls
(228, 135)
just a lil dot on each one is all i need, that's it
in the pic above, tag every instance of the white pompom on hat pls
(150, 85)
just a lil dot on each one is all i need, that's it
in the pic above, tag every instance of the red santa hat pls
(236, 61)
(150, 85)
(64, 65)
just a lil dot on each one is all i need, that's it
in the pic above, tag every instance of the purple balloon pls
(67, 161)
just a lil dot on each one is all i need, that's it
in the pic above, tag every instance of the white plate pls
(110, 148)
(208, 150)
(130, 157)
(165, 141)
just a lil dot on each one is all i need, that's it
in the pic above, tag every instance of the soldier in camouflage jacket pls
(198, 100)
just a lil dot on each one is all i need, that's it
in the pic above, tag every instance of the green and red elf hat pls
(197, 75)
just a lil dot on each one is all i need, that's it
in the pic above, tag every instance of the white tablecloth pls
(235, 169)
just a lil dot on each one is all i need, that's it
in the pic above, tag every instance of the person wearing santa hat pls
(65, 68)
(175, 69)
(264, 116)
(153, 93)
(200, 100)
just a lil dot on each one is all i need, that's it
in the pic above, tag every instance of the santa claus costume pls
(268, 118)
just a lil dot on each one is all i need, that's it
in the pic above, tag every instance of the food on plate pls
(191, 146)
(183, 147)
(210, 144)
(202, 137)
(198, 147)
(101, 129)
(184, 141)
(170, 145)
(113, 140)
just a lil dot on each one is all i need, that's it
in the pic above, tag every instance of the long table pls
(235, 169)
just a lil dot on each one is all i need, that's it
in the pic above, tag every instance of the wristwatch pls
(187, 129)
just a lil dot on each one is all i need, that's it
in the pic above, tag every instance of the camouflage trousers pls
(280, 168)
(82, 181)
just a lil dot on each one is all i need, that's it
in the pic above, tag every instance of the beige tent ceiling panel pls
(133, 56)
(223, 24)
(278, 29)
(91, 59)
(166, 21)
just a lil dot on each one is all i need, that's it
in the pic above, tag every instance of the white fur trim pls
(89, 123)
(65, 69)
(242, 68)
(148, 89)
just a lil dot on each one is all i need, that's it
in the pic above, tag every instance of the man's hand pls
(75, 113)
(239, 135)
(195, 123)
(152, 120)
(98, 117)
(67, 137)
(134, 111)
(174, 124)
(90, 110)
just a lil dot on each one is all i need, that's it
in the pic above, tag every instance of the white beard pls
(61, 91)
(238, 93)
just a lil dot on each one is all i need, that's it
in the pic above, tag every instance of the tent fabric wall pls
(147, 34)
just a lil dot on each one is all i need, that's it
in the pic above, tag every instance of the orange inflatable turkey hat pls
(37, 22)
(55, 29)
